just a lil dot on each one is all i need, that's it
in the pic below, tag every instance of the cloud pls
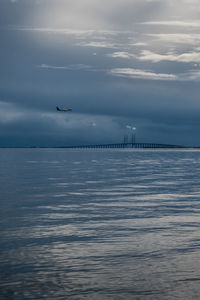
(177, 38)
(98, 33)
(141, 74)
(195, 23)
(184, 57)
(76, 67)
(10, 113)
(94, 13)
(63, 31)
(138, 44)
(103, 44)
(44, 128)
(83, 38)
(192, 75)
(121, 54)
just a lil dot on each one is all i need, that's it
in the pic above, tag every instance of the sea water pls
(99, 224)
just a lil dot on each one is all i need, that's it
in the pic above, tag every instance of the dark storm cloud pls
(129, 62)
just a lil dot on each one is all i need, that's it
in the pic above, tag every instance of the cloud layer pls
(111, 63)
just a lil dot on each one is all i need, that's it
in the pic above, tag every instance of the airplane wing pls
(66, 109)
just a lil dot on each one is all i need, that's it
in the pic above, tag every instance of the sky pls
(123, 66)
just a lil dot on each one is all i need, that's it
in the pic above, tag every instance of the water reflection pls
(99, 224)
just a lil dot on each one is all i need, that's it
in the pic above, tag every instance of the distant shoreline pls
(98, 147)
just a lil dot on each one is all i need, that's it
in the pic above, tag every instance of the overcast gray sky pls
(115, 63)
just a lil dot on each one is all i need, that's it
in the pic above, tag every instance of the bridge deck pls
(128, 145)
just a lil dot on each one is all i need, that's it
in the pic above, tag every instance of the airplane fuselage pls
(63, 109)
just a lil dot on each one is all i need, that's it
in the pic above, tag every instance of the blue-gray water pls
(99, 224)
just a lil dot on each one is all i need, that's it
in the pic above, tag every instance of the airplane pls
(63, 109)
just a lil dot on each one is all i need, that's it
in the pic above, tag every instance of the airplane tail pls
(57, 108)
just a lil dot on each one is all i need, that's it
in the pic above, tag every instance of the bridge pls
(127, 145)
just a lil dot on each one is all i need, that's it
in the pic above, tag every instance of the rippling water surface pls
(99, 224)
